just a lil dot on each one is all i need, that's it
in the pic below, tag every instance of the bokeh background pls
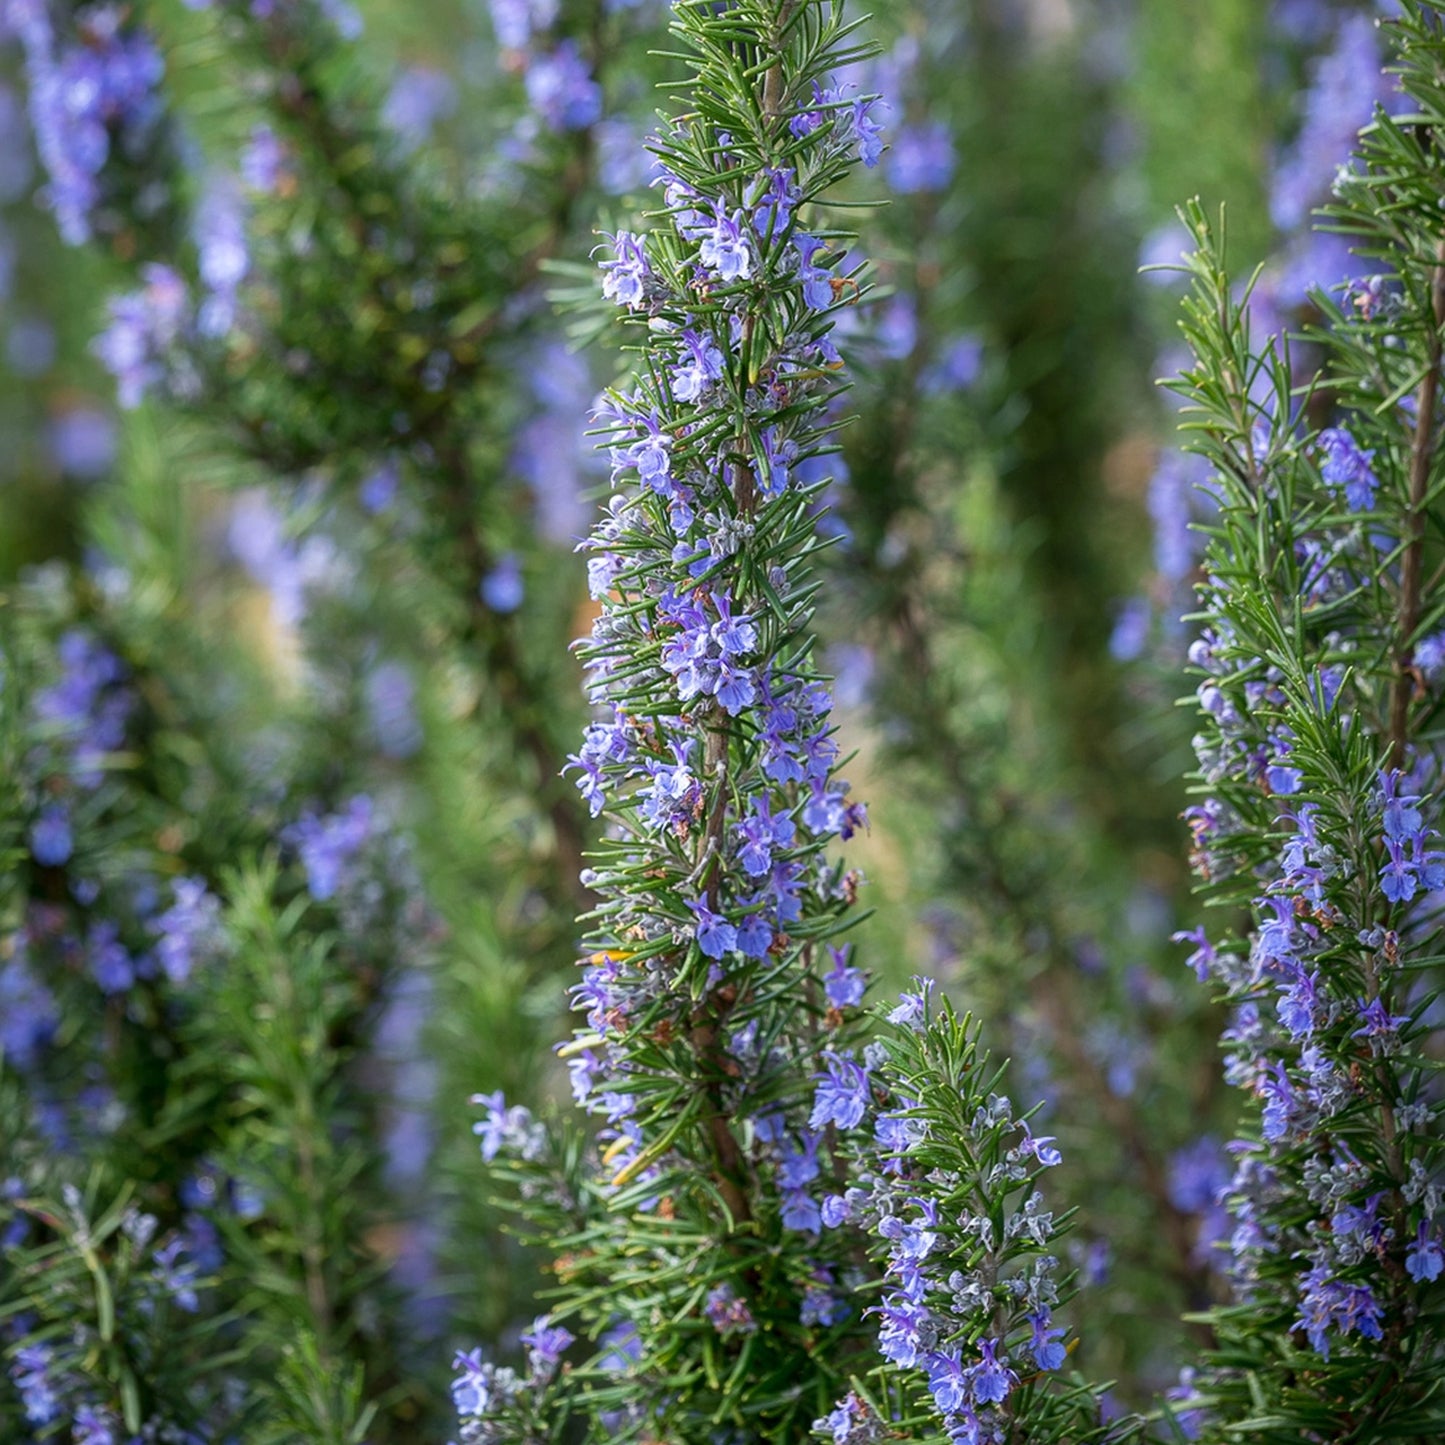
(301, 566)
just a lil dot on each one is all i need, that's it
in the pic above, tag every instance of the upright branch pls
(1318, 786)
(755, 1168)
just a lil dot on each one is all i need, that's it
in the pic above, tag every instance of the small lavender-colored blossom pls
(28, 1014)
(290, 568)
(30, 1369)
(1173, 501)
(546, 1344)
(178, 1277)
(473, 1386)
(651, 454)
(1402, 817)
(1280, 1104)
(620, 1347)
(87, 706)
(379, 488)
(844, 986)
(625, 281)
(223, 255)
(420, 98)
(560, 88)
(1041, 1148)
(851, 1422)
(502, 588)
(905, 1325)
(1344, 88)
(189, 930)
(897, 327)
(852, 121)
(1130, 634)
(842, 1096)
(1379, 1026)
(958, 367)
(1045, 1343)
(912, 1010)
(1424, 1260)
(727, 1313)
(868, 132)
(30, 345)
(1430, 655)
(817, 281)
(921, 159)
(991, 1379)
(759, 834)
(263, 161)
(699, 365)
(1346, 467)
(1330, 1304)
(145, 327)
(111, 965)
(51, 843)
(96, 1427)
(328, 845)
(716, 937)
(1301, 1007)
(774, 210)
(517, 21)
(800, 1212)
(1404, 873)
(725, 249)
(390, 695)
(622, 163)
(87, 97)
(82, 441)
(512, 1128)
(821, 1307)
(947, 1381)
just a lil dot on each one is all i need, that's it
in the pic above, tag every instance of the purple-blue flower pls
(1424, 1260)
(190, 929)
(502, 589)
(327, 845)
(30, 1370)
(1346, 467)
(626, 271)
(560, 88)
(51, 843)
(1044, 1342)
(842, 1096)
(725, 249)
(991, 1379)
(145, 327)
(546, 1344)
(716, 937)
(699, 364)
(844, 986)
(263, 161)
(921, 158)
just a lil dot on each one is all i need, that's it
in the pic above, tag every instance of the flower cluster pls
(146, 1275)
(1316, 810)
(712, 758)
(562, 91)
(93, 95)
(970, 1279)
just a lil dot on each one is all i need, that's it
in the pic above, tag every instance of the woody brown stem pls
(1422, 454)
